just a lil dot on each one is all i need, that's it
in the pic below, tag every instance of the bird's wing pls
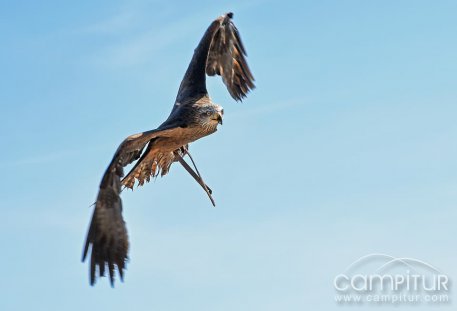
(226, 58)
(107, 232)
(220, 52)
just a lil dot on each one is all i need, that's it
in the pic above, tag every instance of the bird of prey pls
(194, 115)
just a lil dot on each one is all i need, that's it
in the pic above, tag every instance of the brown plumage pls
(194, 115)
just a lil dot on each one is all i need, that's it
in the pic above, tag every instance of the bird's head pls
(210, 115)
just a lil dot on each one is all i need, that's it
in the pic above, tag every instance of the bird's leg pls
(186, 151)
(195, 175)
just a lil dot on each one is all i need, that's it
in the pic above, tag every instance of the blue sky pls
(347, 147)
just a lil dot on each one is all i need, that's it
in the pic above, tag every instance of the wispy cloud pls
(137, 36)
(269, 108)
(38, 159)
(140, 48)
(114, 24)
(134, 41)
(53, 156)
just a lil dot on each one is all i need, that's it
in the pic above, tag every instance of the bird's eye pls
(208, 113)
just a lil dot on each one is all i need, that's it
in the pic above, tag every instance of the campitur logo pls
(384, 279)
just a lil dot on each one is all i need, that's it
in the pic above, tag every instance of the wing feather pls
(227, 58)
(107, 233)
(220, 52)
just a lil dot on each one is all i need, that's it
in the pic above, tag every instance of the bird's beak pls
(219, 118)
